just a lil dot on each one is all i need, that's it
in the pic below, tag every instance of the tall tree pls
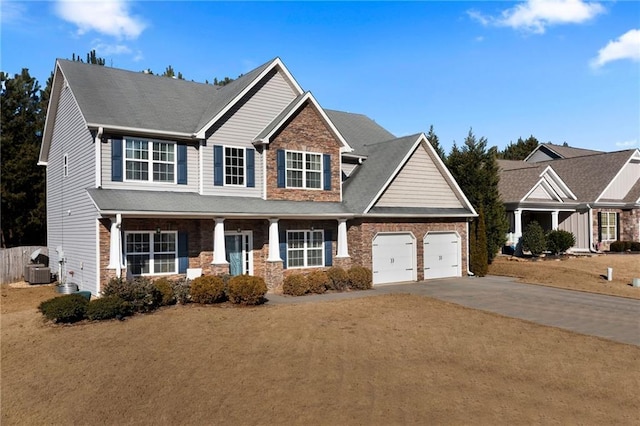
(169, 72)
(435, 143)
(23, 181)
(475, 168)
(479, 262)
(519, 150)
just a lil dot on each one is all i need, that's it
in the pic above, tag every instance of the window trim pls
(304, 170)
(612, 226)
(150, 161)
(305, 249)
(152, 253)
(244, 166)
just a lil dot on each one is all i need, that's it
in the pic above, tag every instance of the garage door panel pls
(442, 255)
(393, 257)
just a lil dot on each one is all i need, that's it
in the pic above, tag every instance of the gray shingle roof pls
(358, 129)
(569, 151)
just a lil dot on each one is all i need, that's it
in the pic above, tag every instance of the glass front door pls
(239, 253)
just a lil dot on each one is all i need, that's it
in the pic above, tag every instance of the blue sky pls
(561, 70)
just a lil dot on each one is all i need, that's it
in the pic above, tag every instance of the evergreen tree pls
(169, 72)
(435, 143)
(519, 150)
(476, 170)
(479, 262)
(23, 181)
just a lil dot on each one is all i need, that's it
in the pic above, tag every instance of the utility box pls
(27, 268)
(40, 275)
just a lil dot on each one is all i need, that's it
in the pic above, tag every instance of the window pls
(608, 226)
(65, 165)
(151, 253)
(150, 160)
(234, 166)
(305, 248)
(304, 170)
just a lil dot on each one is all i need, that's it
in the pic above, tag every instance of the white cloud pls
(536, 15)
(105, 49)
(627, 144)
(12, 12)
(627, 46)
(105, 17)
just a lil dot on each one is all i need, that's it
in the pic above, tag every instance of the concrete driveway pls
(610, 317)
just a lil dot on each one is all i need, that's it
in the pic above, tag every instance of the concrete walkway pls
(611, 317)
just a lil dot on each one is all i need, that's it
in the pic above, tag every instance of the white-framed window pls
(152, 253)
(65, 165)
(234, 166)
(304, 170)
(148, 160)
(609, 226)
(305, 248)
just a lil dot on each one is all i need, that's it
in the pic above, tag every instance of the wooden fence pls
(13, 261)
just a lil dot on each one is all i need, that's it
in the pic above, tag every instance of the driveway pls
(610, 317)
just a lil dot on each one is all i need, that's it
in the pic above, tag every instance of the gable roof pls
(358, 129)
(560, 151)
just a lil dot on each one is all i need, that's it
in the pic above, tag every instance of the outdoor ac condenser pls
(40, 275)
(27, 270)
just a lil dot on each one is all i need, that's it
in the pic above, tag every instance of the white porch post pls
(517, 217)
(554, 220)
(274, 241)
(219, 250)
(115, 246)
(343, 245)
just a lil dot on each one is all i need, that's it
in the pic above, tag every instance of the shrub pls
(360, 278)
(141, 293)
(295, 285)
(318, 281)
(207, 289)
(246, 290)
(165, 288)
(108, 307)
(617, 246)
(338, 279)
(635, 246)
(560, 241)
(181, 289)
(533, 239)
(69, 308)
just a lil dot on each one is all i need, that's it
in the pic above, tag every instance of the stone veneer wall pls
(306, 131)
(629, 225)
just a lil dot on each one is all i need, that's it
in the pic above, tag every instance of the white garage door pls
(442, 255)
(393, 258)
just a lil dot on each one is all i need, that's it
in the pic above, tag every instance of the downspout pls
(98, 159)
(469, 273)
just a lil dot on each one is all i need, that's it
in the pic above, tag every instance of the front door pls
(239, 252)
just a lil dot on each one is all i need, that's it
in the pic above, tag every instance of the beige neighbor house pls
(153, 176)
(595, 195)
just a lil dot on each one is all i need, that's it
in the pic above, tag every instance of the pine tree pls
(479, 262)
(519, 150)
(435, 143)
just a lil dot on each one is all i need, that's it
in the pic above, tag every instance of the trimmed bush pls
(207, 289)
(533, 239)
(108, 307)
(338, 279)
(141, 293)
(66, 309)
(635, 246)
(166, 291)
(295, 285)
(246, 290)
(360, 278)
(318, 281)
(181, 288)
(560, 241)
(617, 246)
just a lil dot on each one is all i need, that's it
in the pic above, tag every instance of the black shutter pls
(182, 164)
(251, 167)
(617, 226)
(183, 252)
(218, 160)
(281, 163)
(328, 248)
(599, 226)
(327, 171)
(116, 160)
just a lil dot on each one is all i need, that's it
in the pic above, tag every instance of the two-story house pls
(148, 175)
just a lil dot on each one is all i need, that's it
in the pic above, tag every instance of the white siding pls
(620, 187)
(540, 193)
(578, 224)
(419, 184)
(243, 124)
(348, 168)
(193, 173)
(71, 216)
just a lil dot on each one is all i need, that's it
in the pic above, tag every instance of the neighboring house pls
(595, 195)
(148, 175)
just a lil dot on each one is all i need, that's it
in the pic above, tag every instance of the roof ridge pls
(394, 139)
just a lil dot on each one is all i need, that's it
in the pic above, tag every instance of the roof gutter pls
(187, 215)
(142, 131)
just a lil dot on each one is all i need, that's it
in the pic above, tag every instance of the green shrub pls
(165, 288)
(246, 290)
(635, 246)
(295, 285)
(338, 279)
(559, 241)
(207, 289)
(181, 290)
(533, 239)
(318, 281)
(67, 309)
(108, 307)
(617, 246)
(141, 293)
(360, 278)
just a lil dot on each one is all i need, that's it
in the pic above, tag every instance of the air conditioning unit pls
(27, 268)
(40, 275)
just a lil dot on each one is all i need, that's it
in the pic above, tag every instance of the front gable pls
(621, 185)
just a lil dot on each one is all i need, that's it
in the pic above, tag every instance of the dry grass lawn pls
(585, 273)
(383, 360)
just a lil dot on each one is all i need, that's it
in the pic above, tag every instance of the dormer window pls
(147, 160)
(304, 170)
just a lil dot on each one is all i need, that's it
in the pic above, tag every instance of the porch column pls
(274, 241)
(219, 249)
(343, 245)
(554, 220)
(517, 217)
(115, 246)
